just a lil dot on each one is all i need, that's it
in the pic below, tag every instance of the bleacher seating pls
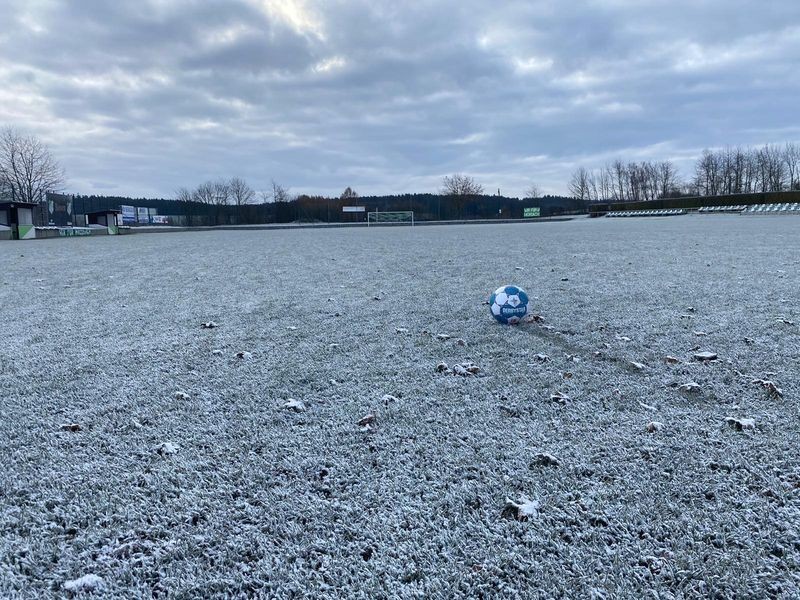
(783, 208)
(664, 212)
(721, 209)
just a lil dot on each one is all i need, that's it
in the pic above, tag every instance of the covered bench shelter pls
(104, 218)
(19, 217)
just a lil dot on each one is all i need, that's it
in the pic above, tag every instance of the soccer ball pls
(509, 304)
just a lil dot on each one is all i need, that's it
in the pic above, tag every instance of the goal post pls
(397, 216)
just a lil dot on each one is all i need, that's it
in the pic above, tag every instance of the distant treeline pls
(320, 209)
(771, 168)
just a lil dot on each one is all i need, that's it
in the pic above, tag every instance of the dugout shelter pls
(108, 218)
(18, 218)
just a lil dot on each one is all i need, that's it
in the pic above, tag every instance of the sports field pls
(629, 486)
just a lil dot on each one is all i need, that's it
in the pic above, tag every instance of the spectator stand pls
(664, 212)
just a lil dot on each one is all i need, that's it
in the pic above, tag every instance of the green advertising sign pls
(531, 212)
(74, 231)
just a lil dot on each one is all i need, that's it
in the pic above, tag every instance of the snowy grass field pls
(137, 448)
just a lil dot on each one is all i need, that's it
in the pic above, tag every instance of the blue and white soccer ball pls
(509, 304)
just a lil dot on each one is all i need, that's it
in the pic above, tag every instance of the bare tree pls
(579, 184)
(240, 192)
(707, 174)
(27, 167)
(460, 188)
(791, 160)
(605, 184)
(278, 193)
(222, 193)
(533, 191)
(215, 193)
(461, 185)
(667, 180)
(5, 190)
(183, 194)
(204, 193)
(349, 194)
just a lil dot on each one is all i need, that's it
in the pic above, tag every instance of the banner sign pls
(159, 219)
(74, 231)
(143, 215)
(353, 209)
(128, 215)
(531, 212)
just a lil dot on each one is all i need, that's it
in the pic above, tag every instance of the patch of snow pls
(521, 511)
(167, 448)
(88, 583)
(294, 405)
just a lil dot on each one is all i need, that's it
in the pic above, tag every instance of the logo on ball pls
(509, 304)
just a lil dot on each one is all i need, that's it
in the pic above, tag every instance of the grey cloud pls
(388, 96)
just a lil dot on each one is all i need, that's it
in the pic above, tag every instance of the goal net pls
(400, 216)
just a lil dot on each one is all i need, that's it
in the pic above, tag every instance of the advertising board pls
(128, 215)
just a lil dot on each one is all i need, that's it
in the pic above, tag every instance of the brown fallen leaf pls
(543, 459)
(367, 420)
(690, 388)
(773, 391)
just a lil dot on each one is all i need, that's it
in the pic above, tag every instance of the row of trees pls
(237, 192)
(771, 168)
(459, 190)
(626, 181)
(737, 171)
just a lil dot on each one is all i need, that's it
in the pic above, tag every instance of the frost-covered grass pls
(140, 455)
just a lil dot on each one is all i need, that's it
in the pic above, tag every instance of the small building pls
(18, 217)
(108, 218)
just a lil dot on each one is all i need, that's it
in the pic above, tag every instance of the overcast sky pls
(139, 97)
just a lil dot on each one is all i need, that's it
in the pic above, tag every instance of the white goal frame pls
(392, 216)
